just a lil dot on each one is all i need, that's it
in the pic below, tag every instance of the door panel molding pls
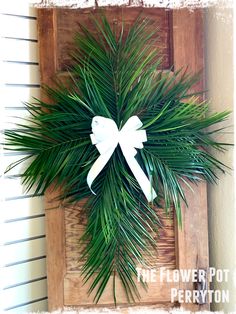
(191, 242)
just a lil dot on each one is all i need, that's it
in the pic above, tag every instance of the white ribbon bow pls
(106, 137)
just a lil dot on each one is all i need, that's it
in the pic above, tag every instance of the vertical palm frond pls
(116, 76)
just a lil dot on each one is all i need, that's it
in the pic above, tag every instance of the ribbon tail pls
(97, 167)
(140, 176)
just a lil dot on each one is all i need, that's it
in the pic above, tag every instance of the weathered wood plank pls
(192, 240)
(64, 226)
(68, 24)
(47, 34)
(76, 292)
(164, 256)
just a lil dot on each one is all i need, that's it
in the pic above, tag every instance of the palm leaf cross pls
(115, 76)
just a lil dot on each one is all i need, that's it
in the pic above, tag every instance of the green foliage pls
(116, 77)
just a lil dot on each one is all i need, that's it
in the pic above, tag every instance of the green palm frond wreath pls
(116, 77)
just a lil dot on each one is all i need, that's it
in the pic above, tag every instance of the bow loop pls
(133, 138)
(133, 123)
(106, 137)
(103, 128)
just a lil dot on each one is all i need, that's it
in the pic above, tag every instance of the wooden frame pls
(192, 240)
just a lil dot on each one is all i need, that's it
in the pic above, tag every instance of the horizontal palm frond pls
(117, 76)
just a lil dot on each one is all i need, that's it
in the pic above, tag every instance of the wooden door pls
(181, 45)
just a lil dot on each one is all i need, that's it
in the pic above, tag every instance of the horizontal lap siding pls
(21, 74)
(19, 95)
(23, 252)
(23, 256)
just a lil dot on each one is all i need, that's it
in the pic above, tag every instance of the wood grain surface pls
(163, 256)
(68, 24)
(192, 239)
(180, 43)
(55, 240)
(76, 292)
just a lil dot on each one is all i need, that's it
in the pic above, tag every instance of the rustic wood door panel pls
(180, 44)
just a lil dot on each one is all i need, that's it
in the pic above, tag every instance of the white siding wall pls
(220, 57)
(22, 234)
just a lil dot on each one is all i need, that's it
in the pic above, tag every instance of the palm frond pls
(117, 76)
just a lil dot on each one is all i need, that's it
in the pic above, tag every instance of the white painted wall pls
(23, 285)
(219, 65)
